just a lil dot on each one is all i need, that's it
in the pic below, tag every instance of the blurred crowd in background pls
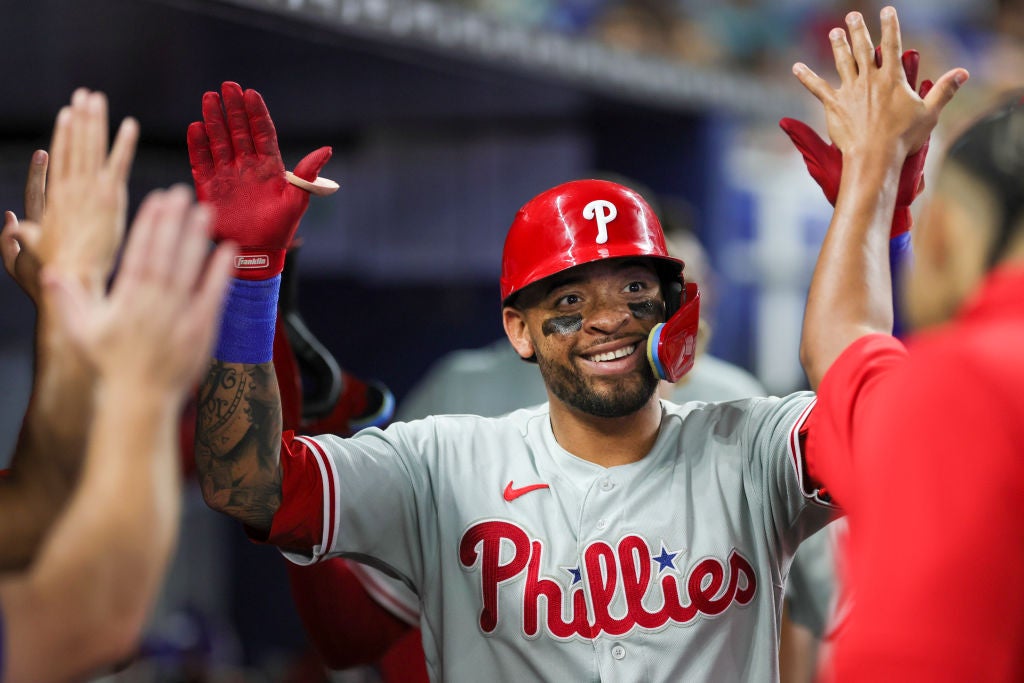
(766, 36)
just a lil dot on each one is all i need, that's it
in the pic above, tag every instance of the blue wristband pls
(900, 256)
(250, 316)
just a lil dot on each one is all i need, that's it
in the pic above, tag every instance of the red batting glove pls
(825, 161)
(237, 167)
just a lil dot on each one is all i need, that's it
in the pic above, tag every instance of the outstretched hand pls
(875, 110)
(237, 167)
(76, 199)
(824, 161)
(19, 263)
(160, 317)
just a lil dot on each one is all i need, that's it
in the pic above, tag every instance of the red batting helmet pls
(576, 223)
(588, 220)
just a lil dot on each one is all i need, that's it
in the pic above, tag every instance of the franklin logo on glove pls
(256, 261)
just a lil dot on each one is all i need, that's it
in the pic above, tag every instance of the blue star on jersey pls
(575, 573)
(666, 560)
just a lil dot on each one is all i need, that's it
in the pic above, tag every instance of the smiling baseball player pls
(605, 535)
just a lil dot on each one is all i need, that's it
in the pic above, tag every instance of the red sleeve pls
(299, 521)
(344, 624)
(847, 386)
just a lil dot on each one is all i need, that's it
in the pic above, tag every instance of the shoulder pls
(713, 379)
(467, 426)
(860, 369)
(729, 417)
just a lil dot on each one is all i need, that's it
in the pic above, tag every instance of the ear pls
(517, 331)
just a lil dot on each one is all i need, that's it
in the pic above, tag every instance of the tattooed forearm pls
(220, 395)
(238, 441)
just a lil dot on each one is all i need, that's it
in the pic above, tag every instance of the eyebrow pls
(567, 279)
(562, 281)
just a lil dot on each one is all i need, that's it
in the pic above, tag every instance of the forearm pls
(238, 441)
(50, 447)
(57, 421)
(851, 290)
(30, 505)
(100, 569)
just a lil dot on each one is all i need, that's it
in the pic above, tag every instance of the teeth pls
(613, 355)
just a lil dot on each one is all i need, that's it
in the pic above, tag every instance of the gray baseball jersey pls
(533, 564)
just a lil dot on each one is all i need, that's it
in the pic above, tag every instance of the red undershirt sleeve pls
(299, 521)
(827, 435)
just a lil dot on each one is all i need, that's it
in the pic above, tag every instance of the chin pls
(627, 396)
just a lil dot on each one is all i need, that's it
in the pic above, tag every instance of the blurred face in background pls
(951, 247)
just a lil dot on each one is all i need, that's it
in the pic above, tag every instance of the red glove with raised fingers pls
(825, 161)
(237, 167)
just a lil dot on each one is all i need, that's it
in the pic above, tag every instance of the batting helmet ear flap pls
(672, 345)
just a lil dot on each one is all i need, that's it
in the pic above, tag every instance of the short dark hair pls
(992, 150)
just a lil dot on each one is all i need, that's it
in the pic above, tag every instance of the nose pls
(607, 317)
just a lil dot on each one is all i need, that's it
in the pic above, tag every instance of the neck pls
(606, 441)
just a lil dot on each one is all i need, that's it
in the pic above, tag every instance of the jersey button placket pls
(604, 485)
(618, 652)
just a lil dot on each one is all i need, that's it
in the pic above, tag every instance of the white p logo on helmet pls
(602, 211)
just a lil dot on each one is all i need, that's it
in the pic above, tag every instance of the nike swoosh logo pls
(511, 493)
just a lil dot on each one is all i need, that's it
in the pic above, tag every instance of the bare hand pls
(21, 263)
(875, 110)
(160, 318)
(78, 228)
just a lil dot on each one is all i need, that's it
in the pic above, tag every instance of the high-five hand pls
(160, 317)
(237, 167)
(875, 109)
(78, 228)
(825, 162)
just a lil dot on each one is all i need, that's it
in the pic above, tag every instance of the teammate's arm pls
(74, 231)
(86, 597)
(876, 120)
(237, 167)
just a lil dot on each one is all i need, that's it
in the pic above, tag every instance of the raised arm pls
(237, 167)
(825, 164)
(876, 120)
(85, 600)
(74, 232)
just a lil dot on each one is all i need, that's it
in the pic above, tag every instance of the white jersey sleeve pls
(778, 467)
(376, 488)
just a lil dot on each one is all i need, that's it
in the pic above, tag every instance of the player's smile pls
(613, 358)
